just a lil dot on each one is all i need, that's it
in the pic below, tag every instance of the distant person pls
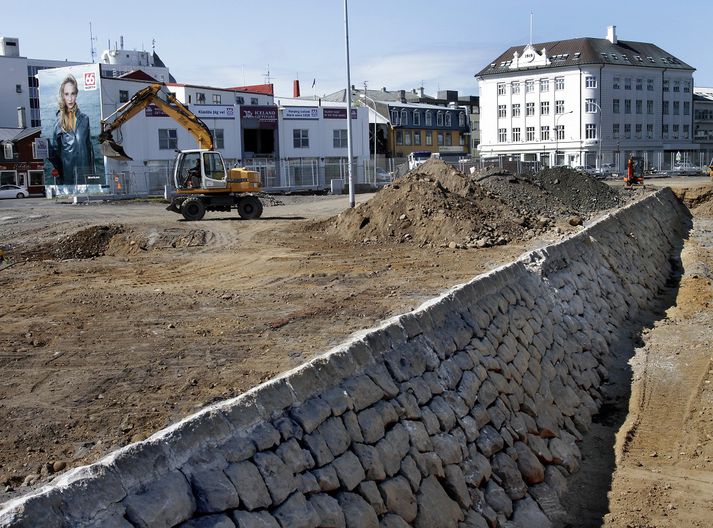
(71, 150)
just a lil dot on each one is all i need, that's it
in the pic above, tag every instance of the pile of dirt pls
(435, 204)
(83, 244)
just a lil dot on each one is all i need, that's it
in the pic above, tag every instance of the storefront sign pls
(214, 111)
(300, 112)
(337, 113)
(262, 116)
(154, 111)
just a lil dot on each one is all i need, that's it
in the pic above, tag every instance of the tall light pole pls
(349, 108)
(557, 135)
(375, 118)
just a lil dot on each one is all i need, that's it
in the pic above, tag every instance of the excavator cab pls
(199, 169)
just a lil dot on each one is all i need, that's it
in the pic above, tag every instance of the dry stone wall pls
(464, 413)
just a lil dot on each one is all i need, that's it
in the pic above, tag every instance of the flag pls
(313, 81)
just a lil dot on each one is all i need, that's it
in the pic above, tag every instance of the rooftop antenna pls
(153, 44)
(532, 16)
(267, 75)
(92, 48)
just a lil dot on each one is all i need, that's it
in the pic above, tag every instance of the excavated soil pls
(118, 319)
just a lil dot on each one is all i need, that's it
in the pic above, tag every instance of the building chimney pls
(296, 88)
(21, 119)
(402, 96)
(121, 41)
(611, 34)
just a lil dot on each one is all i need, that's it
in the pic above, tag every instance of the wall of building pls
(469, 408)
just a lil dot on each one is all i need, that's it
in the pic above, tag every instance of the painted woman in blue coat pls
(70, 145)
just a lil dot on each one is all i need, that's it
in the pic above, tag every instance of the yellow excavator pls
(200, 176)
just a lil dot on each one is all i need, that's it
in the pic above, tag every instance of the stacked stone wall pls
(466, 412)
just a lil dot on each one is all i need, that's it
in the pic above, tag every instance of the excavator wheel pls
(249, 207)
(193, 209)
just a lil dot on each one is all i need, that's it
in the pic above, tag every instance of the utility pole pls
(352, 201)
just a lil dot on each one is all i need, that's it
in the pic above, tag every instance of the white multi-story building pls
(587, 101)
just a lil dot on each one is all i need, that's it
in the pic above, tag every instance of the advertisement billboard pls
(70, 110)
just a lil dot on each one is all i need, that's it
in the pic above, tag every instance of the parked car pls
(13, 191)
(606, 170)
(383, 175)
(685, 169)
(586, 168)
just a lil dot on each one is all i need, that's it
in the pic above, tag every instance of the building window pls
(461, 119)
(200, 98)
(665, 85)
(530, 134)
(638, 130)
(590, 82)
(417, 118)
(300, 138)
(615, 106)
(559, 132)
(590, 106)
(449, 139)
(254, 101)
(686, 131)
(515, 88)
(545, 108)
(639, 84)
(664, 108)
(686, 108)
(501, 88)
(417, 137)
(339, 138)
(407, 137)
(530, 109)
(687, 86)
(404, 117)
(649, 131)
(216, 98)
(590, 131)
(627, 106)
(544, 133)
(649, 85)
(167, 139)
(395, 118)
(516, 134)
(615, 131)
(123, 96)
(218, 138)
(18, 88)
(664, 131)
(639, 106)
(399, 137)
(429, 119)
(429, 137)
(440, 139)
(502, 135)
(627, 83)
(616, 83)
(675, 131)
(559, 83)
(649, 107)
(529, 86)
(627, 131)
(7, 151)
(448, 119)
(676, 108)
(502, 110)
(439, 120)
(544, 85)
(676, 86)
(239, 99)
(559, 107)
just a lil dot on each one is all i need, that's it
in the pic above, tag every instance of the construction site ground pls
(118, 319)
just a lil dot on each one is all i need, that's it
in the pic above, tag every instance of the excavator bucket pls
(111, 149)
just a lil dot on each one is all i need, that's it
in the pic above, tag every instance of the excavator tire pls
(249, 207)
(193, 209)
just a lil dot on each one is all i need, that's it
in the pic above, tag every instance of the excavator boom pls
(171, 106)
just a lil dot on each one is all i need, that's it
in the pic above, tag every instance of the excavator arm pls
(171, 106)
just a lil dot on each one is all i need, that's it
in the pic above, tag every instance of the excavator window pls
(213, 164)
(190, 171)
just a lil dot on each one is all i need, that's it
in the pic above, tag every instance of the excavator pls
(201, 179)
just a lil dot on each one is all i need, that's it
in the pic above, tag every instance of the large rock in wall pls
(463, 413)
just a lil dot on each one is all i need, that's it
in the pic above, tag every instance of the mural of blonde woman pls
(70, 145)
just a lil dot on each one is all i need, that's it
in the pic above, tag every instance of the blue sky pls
(397, 44)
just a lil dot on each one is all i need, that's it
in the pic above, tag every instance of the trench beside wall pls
(465, 412)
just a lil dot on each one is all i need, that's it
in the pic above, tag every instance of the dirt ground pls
(150, 318)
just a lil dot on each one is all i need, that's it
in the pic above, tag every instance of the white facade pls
(604, 112)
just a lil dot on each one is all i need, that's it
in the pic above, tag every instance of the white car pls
(685, 169)
(13, 191)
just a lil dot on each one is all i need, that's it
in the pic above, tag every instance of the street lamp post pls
(557, 135)
(375, 121)
(352, 200)
(599, 137)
